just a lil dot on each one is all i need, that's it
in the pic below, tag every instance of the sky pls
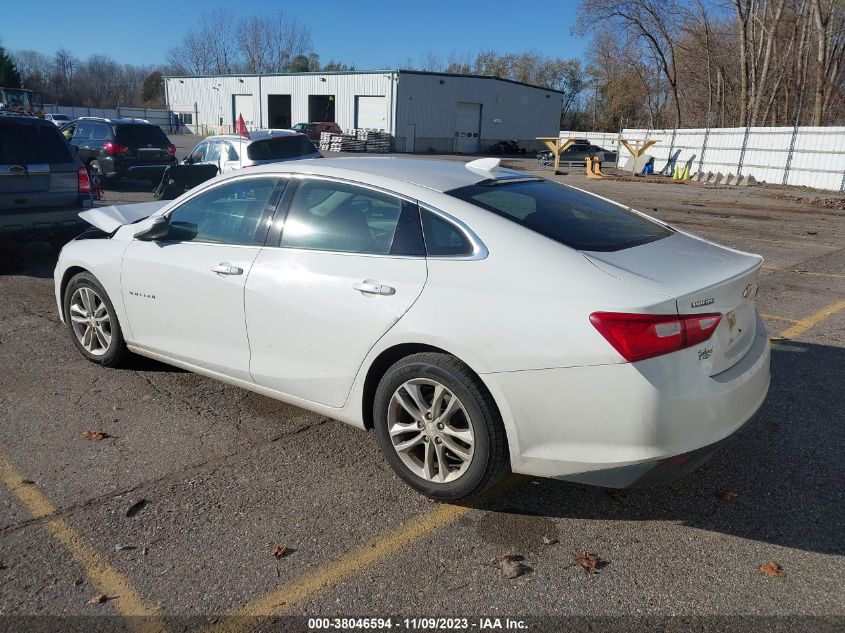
(372, 34)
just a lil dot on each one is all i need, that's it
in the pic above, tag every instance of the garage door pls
(371, 113)
(242, 105)
(467, 127)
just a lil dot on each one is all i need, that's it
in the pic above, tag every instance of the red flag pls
(241, 130)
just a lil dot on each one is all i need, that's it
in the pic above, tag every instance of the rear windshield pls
(564, 214)
(134, 135)
(32, 144)
(280, 147)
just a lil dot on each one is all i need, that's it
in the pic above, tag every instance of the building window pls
(185, 118)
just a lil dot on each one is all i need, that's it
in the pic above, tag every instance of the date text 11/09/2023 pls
(416, 624)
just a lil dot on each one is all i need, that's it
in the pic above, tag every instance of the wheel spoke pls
(403, 447)
(442, 467)
(411, 403)
(400, 428)
(78, 319)
(86, 338)
(461, 452)
(428, 461)
(413, 390)
(101, 311)
(80, 310)
(465, 435)
(452, 407)
(101, 338)
(87, 301)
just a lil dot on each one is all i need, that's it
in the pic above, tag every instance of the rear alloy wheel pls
(438, 426)
(92, 321)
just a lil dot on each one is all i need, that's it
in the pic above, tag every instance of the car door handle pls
(371, 287)
(225, 268)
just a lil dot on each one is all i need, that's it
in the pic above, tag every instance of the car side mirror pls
(159, 230)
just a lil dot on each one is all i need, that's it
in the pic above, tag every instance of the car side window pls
(99, 132)
(232, 213)
(213, 151)
(442, 238)
(198, 155)
(333, 216)
(231, 154)
(82, 131)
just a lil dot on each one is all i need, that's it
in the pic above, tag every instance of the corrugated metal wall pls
(213, 95)
(807, 156)
(508, 110)
(159, 117)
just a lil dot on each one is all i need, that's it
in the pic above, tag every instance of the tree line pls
(673, 63)
(649, 63)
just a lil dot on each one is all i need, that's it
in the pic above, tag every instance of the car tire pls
(100, 340)
(447, 450)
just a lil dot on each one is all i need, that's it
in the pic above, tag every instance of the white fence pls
(804, 156)
(163, 118)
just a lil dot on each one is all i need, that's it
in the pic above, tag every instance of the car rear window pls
(564, 214)
(134, 135)
(280, 147)
(32, 144)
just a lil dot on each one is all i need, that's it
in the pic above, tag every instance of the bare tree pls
(656, 23)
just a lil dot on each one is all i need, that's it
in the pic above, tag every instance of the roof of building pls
(368, 72)
(436, 174)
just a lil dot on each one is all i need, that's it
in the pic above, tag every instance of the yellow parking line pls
(812, 320)
(778, 318)
(111, 582)
(301, 589)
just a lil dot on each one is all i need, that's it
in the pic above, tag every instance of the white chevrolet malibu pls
(477, 318)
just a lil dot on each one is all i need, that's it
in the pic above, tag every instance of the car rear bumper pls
(627, 424)
(34, 223)
(129, 169)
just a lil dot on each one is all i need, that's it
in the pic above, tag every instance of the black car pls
(43, 184)
(122, 148)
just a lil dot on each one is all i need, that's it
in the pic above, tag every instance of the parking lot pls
(206, 501)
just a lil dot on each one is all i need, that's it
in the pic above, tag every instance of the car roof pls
(438, 175)
(254, 135)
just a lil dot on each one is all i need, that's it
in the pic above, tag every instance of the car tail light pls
(83, 182)
(115, 149)
(640, 336)
(171, 149)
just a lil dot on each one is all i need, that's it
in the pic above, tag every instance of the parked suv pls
(43, 183)
(313, 130)
(122, 148)
(230, 151)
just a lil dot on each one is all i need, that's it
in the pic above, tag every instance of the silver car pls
(43, 183)
(231, 152)
(57, 119)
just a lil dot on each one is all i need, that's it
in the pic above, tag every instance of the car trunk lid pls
(703, 278)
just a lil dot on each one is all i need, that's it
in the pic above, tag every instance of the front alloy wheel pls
(90, 321)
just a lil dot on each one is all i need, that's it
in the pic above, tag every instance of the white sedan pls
(477, 318)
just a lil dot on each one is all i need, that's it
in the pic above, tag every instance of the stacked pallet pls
(375, 140)
(346, 143)
(356, 140)
(326, 141)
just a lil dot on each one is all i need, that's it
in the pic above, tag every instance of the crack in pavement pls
(203, 467)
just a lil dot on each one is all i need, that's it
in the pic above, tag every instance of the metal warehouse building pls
(423, 111)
